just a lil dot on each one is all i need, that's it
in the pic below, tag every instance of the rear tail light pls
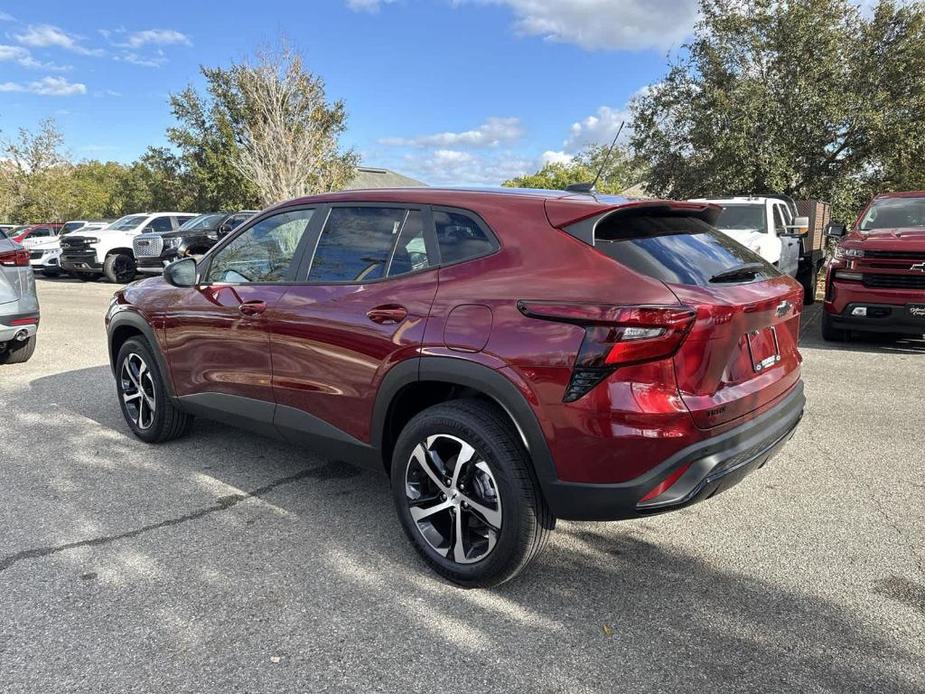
(19, 257)
(31, 320)
(615, 336)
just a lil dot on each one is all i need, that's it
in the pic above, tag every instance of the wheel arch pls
(121, 250)
(128, 324)
(414, 385)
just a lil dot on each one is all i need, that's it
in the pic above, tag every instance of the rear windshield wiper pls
(739, 271)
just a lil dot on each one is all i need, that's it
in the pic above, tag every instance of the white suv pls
(108, 251)
(45, 254)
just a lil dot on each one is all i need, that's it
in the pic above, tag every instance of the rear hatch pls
(741, 353)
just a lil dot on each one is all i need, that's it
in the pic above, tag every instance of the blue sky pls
(448, 91)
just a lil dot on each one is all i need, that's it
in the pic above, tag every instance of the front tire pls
(119, 268)
(143, 398)
(465, 493)
(808, 278)
(17, 352)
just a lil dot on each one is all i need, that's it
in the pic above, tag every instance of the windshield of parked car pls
(128, 222)
(203, 221)
(72, 226)
(744, 217)
(894, 213)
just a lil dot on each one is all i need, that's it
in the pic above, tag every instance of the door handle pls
(390, 313)
(253, 308)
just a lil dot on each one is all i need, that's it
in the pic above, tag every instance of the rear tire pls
(830, 333)
(145, 404)
(17, 352)
(119, 268)
(480, 517)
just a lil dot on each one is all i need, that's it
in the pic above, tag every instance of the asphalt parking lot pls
(227, 562)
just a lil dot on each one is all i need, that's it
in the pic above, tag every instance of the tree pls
(263, 132)
(619, 173)
(806, 98)
(34, 173)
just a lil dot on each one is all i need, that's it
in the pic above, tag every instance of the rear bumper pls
(18, 326)
(710, 467)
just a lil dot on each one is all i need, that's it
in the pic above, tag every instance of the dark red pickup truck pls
(877, 280)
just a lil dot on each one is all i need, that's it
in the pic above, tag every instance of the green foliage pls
(619, 173)
(807, 98)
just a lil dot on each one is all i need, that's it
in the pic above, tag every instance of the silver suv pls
(19, 304)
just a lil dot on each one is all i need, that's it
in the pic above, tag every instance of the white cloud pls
(604, 24)
(555, 157)
(46, 36)
(4, 17)
(459, 168)
(157, 37)
(47, 86)
(23, 57)
(491, 133)
(367, 5)
(598, 128)
(136, 59)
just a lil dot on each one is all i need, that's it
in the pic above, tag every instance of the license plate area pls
(916, 311)
(763, 348)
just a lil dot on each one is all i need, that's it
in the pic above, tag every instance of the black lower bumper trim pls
(712, 466)
(882, 318)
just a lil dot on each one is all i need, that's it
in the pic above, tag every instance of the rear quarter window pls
(674, 247)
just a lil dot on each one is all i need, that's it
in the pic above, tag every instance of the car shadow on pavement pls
(306, 556)
(881, 343)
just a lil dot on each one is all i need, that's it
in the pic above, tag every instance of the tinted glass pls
(262, 253)
(779, 219)
(674, 248)
(160, 224)
(128, 222)
(895, 213)
(410, 253)
(40, 232)
(742, 217)
(71, 226)
(460, 237)
(203, 221)
(356, 243)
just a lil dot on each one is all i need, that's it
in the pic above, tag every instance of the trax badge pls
(918, 266)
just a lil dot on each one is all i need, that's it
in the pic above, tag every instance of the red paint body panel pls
(329, 357)
(315, 348)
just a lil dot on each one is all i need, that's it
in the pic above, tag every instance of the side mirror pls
(182, 273)
(835, 229)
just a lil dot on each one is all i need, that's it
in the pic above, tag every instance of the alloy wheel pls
(453, 498)
(138, 393)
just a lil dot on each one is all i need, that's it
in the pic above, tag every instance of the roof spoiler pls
(579, 218)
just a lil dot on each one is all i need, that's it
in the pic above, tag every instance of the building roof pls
(368, 177)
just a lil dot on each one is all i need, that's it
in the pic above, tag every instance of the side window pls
(161, 224)
(262, 253)
(356, 244)
(183, 219)
(410, 254)
(779, 220)
(460, 237)
(39, 233)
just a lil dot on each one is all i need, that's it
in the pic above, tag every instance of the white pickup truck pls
(108, 251)
(771, 227)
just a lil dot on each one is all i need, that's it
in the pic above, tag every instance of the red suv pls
(877, 280)
(507, 357)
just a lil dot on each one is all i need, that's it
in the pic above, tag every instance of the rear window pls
(676, 248)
